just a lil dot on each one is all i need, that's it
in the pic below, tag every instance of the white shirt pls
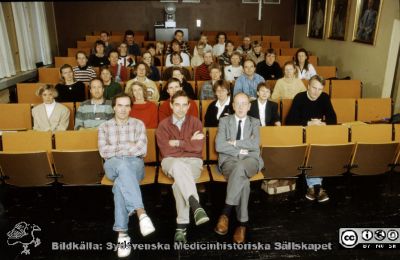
(185, 60)
(261, 111)
(233, 72)
(50, 108)
(306, 74)
(218, 49)
(241, 126)
(221, 107)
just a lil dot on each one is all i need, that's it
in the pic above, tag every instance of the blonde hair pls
(129, 89)
(43, 87)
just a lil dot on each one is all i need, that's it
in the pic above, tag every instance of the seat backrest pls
(27, 141)
(326, 71)
(345, 109)
(285, 105)
(268, 38)
(76, 140)
(374, 109)
(26, 93)
(212, 134)
(49, 75)
(15, 117)
(72, 51)
(280, 45)
(329, 134)
(70, 106)
(59, 61)
(397, 132)
(204, 107)
(283, 59)
(346, 88)
(288, 51)
(281, 135)
(151, 155)
(313, 60)
(371, 133)
(84, 44)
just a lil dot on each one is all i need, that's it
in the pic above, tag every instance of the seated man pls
(133, 48)
(313, 107)
(248, 81)
(83, 72)
(184, 47)
(95, 111)
(105, 37)
(119, 72)
(180, 139)
(245, 48)
(270, 69)
(263, 109)
(123, 144)
(207, 87)
(165, 110)
(202, 72)
(237, 143)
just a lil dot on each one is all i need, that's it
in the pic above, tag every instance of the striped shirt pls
(84, 74)
(128, 139)
(92, 115)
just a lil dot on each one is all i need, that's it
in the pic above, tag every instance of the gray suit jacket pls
(251, 139)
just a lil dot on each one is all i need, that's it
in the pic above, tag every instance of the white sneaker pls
(146, 226)
(124, 246)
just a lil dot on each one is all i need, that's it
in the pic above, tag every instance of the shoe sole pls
(221, 233)
(310, 198)
(324, 200)
(202, 221)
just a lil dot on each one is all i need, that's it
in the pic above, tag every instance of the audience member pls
(220, 107)
(235, 70)
(313, 107)
(198, 58)
(105, 37)
(151, 48)
(141, 70)
(167, 73)
(133, 48)
(50, 115)
(185, 59)
(248, 81)
(99, 58)
(180, 139)
(263, 109)
(69, 90)
(122, 143)
(142, 108)
(119, 72)
(187, 87)
(148, 59)
(202, 72)
(206, 91)
(111, 88)
(124, 58)
(183, 46)
(270, 69)
(219, 47)
(256, 53)
(305, 69)
(225, 58)
(245, 48)
(165, 109)
(238, 146)
(289, 85)
(83, 72)
(207, 47)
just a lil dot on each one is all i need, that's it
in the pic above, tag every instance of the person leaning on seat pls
(237, 144)
(123, 144)
(95, 111)
(50, 115)
(313, 107)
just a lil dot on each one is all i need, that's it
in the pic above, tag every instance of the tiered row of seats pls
(71, 157)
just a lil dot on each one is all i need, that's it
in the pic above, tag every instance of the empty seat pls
(345, 109)
(49, 75)
(15, 117)
(326, 71)
(288, 51)
(374, 109)
(72, 51)
(280, 45)
(25, 159)
(84, 44)
(268, 38)
(59, 61)
(283, 59)
(26, 93)
(346, 89)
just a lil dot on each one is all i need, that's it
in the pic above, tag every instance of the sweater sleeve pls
(188, 145)
(330, 115)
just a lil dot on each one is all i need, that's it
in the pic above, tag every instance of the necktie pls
(239, 131)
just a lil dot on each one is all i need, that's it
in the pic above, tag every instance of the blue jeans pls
(313, 181)
(126, 173)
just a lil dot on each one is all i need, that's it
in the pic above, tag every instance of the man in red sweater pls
(202, 72)
(180, 139)
(165, 109)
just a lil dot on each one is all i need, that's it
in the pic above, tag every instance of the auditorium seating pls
(346, 89)
(59, 61)
(49, 75)
(15, 117)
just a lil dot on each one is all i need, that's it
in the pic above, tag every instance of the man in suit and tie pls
(237, 143)
(264, 109)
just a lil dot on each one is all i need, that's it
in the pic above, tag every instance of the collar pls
(243, 119)
(83, 68)
(176, 120)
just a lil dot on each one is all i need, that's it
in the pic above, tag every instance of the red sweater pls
(123, 74)
(165, 110)
(146, 112)
(202, 72)
(187, 148)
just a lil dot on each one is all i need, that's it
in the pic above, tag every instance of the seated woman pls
(83, 72)
(178, 74)
(219, 47)
(256, 53)
(176, 48)
(142, 108)
(69, 90)
(155, 61)
(225, 58)
(141, 70)
(176, 61)
(305, 70)
(289, 85)
(148, 60)
(111, 88)
(99, 57)
(207, 47)
(197, 58)
(220, 107)
(233, 71)
(124, 58)
(264, 109)
(50, 115)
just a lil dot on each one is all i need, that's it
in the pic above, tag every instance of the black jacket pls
(210, 119)
(271, 112)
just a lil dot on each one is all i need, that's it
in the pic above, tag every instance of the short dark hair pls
(214, 66)
(318, 78)
(250, 60)
(177, 54)
(223, 84)
(219, 34)
(112, 51)
(129, 32)
(179, 93)
(80, 52)
(94, 79)
(263, 85)
(148, 70)
(99, 42)
(119, 95)
(150, 46)
(108, 34)
(178, 31)
(173, 80)
(270, 51)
